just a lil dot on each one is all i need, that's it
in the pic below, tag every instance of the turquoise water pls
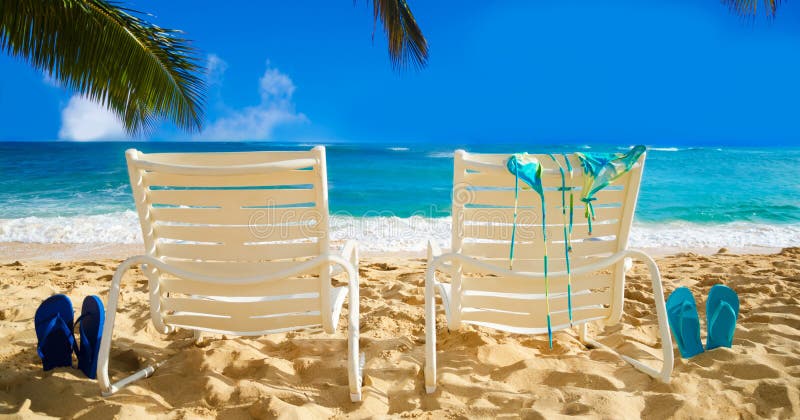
(396, 197)
(701, 185)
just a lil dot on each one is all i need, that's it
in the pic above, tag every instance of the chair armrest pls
(350, 252)
(441, 263)
(433, 251)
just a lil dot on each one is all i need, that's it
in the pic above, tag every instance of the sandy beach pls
(483, 373)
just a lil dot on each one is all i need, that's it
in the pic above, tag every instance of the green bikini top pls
(600, 170)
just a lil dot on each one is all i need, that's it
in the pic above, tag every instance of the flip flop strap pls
(83, 338)
(684, 338)
(715, 316)
(55, 322)
(514, 225)
(79, 320)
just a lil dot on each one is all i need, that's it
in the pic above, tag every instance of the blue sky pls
(664, 73)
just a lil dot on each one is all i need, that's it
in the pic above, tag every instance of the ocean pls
(394, 197)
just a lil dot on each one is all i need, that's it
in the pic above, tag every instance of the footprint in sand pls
(736, 270)
(413, 278)
(750, 370)
(709, 280)
(217, 391)
(413, 299)
(661, 406)
(576, 409)
(772, 396)
(288, 408)
(12, 314)
(781, 309)
(764, 272)
(91, 264)
(785, 264)
(638, 296)
(581, 380)
(382, 267)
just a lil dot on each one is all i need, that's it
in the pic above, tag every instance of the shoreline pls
(104, 233)
(26, 251)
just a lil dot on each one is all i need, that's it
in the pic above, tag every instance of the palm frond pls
(407, 44)
(141, 72)
(751, 7)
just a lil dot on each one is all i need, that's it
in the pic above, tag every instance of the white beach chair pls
(484, 291)
(237, 243)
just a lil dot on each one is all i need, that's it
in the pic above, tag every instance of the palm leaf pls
(750, 7)
(141, 72)
(407, 44)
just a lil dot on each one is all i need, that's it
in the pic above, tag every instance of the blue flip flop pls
(53, 323)
(91, 329)
(684, 322)
(722, 309)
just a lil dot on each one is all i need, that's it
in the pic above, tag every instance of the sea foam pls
(121, 227)
(440, 155)
(408, 234)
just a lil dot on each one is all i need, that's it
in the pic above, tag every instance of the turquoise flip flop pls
(722, 309)
(684, 322)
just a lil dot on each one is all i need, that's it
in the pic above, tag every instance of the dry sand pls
(482, 373)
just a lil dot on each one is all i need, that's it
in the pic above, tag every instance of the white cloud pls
(275, 86)
(258, 122)
(215, 69)
(84, 119)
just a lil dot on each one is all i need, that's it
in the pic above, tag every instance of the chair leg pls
(663, 375)
(430, 332)
(106, 387)
(355, 360)
(583, 334)
(663, 327)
